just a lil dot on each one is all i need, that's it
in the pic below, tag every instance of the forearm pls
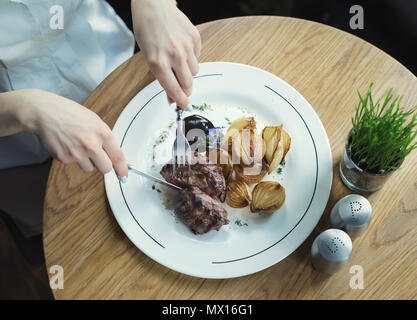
(10, 111)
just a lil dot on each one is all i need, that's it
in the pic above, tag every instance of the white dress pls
(36, 53)
(64, 46)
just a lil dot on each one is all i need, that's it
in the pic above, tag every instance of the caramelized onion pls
(267, 196)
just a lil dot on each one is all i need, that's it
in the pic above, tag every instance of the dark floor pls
(20, 277)
(389, 24)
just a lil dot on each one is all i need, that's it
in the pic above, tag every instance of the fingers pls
(193, 65)
(102, 161)
(173, 89)
(197, 42)
(85, 164)
(179, 81)
(115, 154)
(184, 76)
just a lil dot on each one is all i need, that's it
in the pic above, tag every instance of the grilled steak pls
(207, 177)
(200, 212)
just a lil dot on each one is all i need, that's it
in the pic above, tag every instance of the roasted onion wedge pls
(248, 123)
(237, 194)
(246, 147)
(271, 136)
(286, 142)
(243, 123)
(252, 174)
(221, 158)
(267, 196)
(281, 151)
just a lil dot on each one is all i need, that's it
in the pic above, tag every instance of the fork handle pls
(179, 113)
(180, 120)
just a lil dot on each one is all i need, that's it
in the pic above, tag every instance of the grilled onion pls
(237, 195)
(271, 136)
(246, 147)
(286, 143)
(252, 174)
(267, 196)
(237, 126)
(222, 159)
(277, 142)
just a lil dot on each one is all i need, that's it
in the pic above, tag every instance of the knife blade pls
(151, 177)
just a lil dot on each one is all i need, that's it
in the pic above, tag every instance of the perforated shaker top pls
(355, 210)
(334, 245)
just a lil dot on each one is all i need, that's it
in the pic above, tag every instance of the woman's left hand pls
(171, 45)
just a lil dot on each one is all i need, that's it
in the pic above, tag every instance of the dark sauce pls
(197, 122)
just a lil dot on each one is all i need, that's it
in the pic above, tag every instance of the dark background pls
(391, 25)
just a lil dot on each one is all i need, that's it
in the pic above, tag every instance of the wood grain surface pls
(326, 66)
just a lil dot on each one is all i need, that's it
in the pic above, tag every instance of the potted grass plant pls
(382, 136)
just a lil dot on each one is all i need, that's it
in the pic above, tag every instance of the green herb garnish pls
(161, 138)
(279, 170)
(202, 107)
(382, 135)
(153, 187)
(240, 224)
(158, 190)
(228, 120)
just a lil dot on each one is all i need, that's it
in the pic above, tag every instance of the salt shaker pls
(331, 250)
(351, 214)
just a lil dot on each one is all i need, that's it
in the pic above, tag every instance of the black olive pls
(197, 122)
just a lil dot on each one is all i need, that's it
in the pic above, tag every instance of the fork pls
(181, 150)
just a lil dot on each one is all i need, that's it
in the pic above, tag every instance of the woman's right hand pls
(69, 131)
(171, 45)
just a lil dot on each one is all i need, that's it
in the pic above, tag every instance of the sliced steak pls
(207, 177)
(200, 212)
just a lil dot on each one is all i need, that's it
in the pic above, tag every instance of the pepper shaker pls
(351, 214)
(331, 250)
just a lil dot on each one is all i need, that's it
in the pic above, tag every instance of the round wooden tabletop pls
(326, 66)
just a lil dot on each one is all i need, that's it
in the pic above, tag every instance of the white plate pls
(233, 90)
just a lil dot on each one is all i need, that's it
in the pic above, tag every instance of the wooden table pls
(326, 66)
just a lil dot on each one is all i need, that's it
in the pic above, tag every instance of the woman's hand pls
(170, 44)
(69, 131)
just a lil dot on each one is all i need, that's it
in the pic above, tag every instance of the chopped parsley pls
(202, 107)
(240, 224)
(228, 121)
(154, 188)
(161, 138)
(281, 167)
